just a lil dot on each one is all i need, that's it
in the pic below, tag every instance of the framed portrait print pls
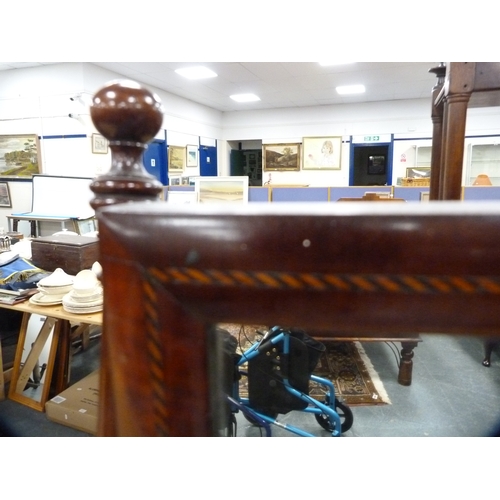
(19, 155)
(5, 200)
(281, 157)
(191, 156)
(176, 160)
(99, 144)
(321, 153)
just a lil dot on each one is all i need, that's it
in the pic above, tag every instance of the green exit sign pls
(372, 138)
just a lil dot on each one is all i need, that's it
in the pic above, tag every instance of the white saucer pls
(82, 310)
(76, 298)
(40, 299)
(68, 301)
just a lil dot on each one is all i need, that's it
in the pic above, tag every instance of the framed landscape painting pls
(176, 160)
(233, 189)
(19, 155)
(281, 157)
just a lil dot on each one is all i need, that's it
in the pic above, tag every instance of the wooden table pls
(58, 368)
(34, 221)
(356, 269)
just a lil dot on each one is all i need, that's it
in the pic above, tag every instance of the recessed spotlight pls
(245, 98)
(350, 89)
(196, 72)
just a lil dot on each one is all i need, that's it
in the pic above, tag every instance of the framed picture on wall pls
(281, 157)
(19, 155)
(191, 156)
(176, 160)
(232, 189)
(99, 144)
(321, 153)
(5, 200)
(414, 172)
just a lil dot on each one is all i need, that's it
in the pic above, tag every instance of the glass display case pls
(483, 159)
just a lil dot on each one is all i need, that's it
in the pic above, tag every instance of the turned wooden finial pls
(129, 116)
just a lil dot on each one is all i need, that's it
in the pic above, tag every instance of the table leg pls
(63, 358)
(452, 152)
(489, 345)
(2, 380)
(406, 362)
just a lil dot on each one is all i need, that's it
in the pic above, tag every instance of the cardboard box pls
(69, 252)
(78, 405)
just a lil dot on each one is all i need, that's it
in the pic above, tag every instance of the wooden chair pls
(172, 272)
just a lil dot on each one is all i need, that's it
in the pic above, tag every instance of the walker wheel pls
(345, 414)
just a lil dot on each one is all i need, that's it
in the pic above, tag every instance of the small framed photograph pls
(5, 200)
(99, 144)
(191, 156)
(280, 157)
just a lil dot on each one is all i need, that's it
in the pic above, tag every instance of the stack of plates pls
(52, 288)
(85, 295)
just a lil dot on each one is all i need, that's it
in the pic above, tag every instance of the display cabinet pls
(483, 159)
(423, 156)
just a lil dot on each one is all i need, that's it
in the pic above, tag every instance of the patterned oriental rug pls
(344, 363)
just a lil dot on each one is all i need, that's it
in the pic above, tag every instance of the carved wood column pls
(455, 95)
(437, 133)
(455, 113)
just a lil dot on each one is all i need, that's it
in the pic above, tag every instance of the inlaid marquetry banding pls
(362, 283)
(155, 360)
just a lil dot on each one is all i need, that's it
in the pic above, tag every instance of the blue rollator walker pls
(280, 368)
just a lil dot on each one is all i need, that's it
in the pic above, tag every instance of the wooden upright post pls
(129, 116)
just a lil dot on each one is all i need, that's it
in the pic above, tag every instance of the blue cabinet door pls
(155, 160)
(208, 160)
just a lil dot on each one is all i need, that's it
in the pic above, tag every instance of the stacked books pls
(11, 297)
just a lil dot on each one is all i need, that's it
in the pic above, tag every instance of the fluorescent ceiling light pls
(350, 89)
(337, 63)
(196, 72)
(245, 98)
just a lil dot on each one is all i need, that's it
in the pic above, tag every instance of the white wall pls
(37, 100)
(409, 119)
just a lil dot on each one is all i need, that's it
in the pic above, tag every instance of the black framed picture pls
(5, 200)
(376, 165)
